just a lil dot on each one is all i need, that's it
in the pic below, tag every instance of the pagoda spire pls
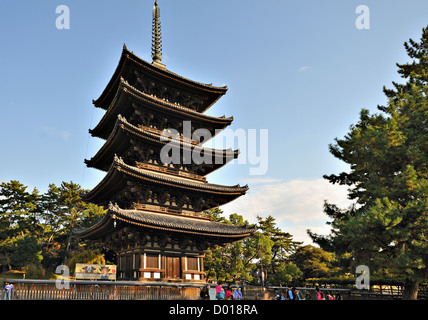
(156, 37)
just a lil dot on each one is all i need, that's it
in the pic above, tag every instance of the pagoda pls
(155, 220)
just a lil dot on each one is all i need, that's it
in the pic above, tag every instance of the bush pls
(34, 271)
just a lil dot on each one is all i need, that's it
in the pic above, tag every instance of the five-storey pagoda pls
(155, 221)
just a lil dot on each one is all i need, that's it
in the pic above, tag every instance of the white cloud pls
(299, 232)
(261, 180)
(63, 134)
(304, 68)
(296, 205)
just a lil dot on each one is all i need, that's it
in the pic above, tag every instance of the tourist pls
(8, 291)
(237, 294)
(298, 295)
(328, 296)
(228, 295)
(204, 294)
(290, 295)
(219, 291)
(319, 294)
(307, 295)
(338, 296)
(279, 295)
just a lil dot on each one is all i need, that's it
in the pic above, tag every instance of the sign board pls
(95, 272)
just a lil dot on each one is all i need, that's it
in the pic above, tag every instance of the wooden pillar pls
(163, 265)
(201, 263)
(183, 267)
(201, 266)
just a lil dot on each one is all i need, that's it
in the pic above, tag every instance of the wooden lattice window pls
(152, 261)
(192, 264)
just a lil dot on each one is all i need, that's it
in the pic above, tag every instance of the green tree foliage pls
(267, 248)
(18, 219)
(37, 228)
(18, 208)
(232, 260)
(313, 262)
(64, 211)
(388, 179)
(27, 251)
(282, 243)
(286, 274)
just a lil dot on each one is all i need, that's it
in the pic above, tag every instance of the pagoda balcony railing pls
(180, 138)
(166, 210)
(174, 172)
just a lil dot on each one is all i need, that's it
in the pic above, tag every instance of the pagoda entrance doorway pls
(172, 268)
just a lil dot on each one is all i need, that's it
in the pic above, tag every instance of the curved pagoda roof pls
(131, 66)
(127, 98)
(119, 174)
(125, 134)
(157, 221)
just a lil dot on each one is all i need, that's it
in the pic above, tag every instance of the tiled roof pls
(122, 125)
(120, 171)
(166, 222)
(169, 105)
(129, 57)
(126, 90)
(176, 181)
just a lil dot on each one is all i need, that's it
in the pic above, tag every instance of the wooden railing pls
(25, 289)
(178, 173)
(103, 290)
(179, 138)
(160, 209)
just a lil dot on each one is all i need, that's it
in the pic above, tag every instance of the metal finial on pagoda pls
(156, 36)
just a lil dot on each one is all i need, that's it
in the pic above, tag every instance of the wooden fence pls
(102, 290)
(26, 289)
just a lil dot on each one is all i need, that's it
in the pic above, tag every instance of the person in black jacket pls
(204, 294)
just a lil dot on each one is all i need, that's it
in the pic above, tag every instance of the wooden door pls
(172, 268)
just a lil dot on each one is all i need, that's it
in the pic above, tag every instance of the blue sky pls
(301, 69)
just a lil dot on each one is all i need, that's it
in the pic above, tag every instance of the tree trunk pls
(411, 288)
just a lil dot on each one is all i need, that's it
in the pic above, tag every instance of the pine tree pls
(388, 179)
(38, 228)
(18, 219)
